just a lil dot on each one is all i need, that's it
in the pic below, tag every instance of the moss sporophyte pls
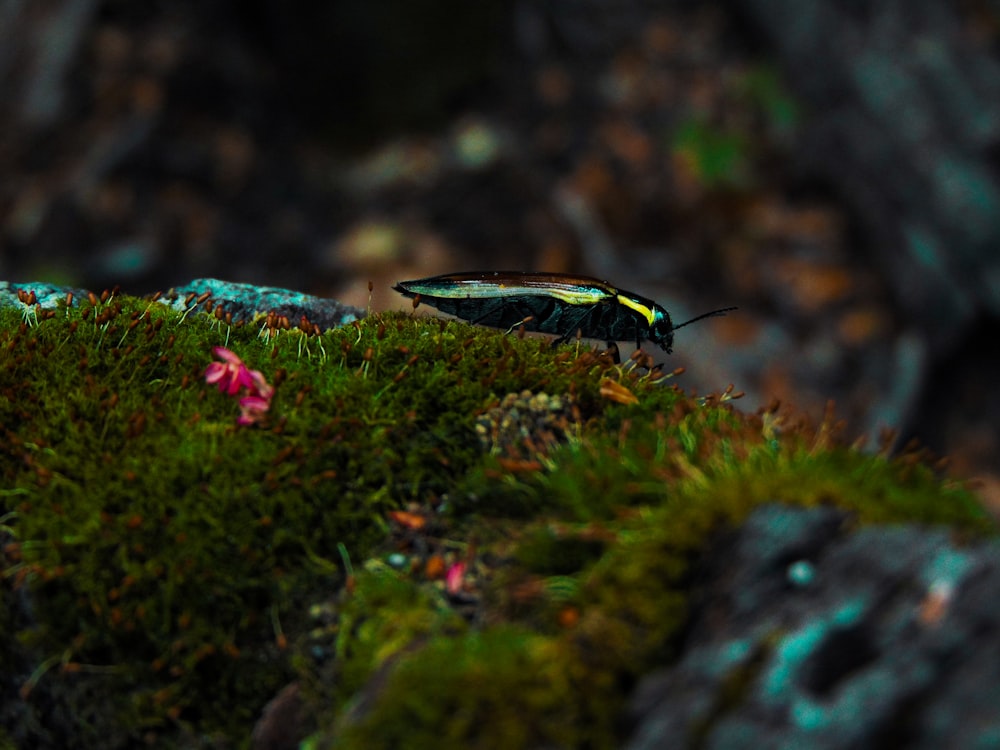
(165, 573)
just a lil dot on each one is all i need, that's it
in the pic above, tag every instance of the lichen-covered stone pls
(246, 301)
(243, 302)
(891, 641)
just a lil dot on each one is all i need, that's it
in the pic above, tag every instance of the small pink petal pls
(255, 402)
(241, 379)
(454, 578)
(214, 372)
(252, 409)
(226, 356)
(260, 386)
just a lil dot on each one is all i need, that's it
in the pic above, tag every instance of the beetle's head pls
(662, 330)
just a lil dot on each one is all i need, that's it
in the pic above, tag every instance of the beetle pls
(549, 303)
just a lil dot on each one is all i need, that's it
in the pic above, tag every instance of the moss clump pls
(159, 556)
(166, 554)
(601, 577)
(501, 688)
(377, 617)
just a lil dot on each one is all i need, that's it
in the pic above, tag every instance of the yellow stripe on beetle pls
(644, 310)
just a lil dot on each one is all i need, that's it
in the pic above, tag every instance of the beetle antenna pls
(713, 314)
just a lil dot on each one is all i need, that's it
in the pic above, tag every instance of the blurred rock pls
(905, 123)
(281, 725)
(807, 634)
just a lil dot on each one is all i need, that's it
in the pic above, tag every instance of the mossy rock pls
(167, 571)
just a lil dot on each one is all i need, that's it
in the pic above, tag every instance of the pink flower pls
(231, 374)
(232, 377)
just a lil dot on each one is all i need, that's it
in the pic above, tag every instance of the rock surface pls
(809, 635)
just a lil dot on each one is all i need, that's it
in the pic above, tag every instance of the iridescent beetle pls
(550, 303)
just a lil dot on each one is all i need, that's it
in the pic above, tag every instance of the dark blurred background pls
(829, 166)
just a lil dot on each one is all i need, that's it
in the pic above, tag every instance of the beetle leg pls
(574, 326)
(613, 348)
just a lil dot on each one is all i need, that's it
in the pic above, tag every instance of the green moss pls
(548, 551)
(380, 615)
(169, 556)
(645, 501)
(504, 688)
(166, 548)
